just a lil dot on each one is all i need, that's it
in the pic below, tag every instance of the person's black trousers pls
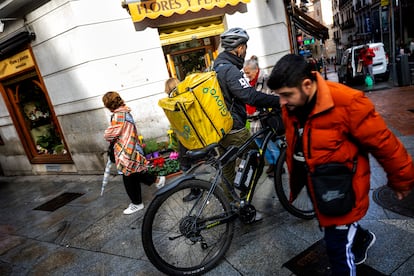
(133, 182)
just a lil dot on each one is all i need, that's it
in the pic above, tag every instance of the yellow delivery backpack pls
(197, 112)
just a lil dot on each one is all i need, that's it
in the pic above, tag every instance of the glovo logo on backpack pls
(219, 100)
(197, 112)
(184, 132)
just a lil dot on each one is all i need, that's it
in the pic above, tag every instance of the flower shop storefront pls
(189, 34)
(188, 30)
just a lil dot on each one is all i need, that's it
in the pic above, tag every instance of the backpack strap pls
(227, 66)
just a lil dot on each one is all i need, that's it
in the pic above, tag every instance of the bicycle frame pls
(218, 163)
(184, 236)
(267, 131)
(193, 173)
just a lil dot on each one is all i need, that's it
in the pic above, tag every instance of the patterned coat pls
(127, 159)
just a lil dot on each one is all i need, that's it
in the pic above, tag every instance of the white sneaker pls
(132, 208)
(161, 182)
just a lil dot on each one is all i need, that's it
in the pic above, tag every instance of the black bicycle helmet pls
(233, 37)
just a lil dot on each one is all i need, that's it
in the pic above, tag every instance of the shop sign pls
(385, 3)
(16, 64)
(154, 8)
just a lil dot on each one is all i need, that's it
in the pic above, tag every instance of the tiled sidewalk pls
(396, 106)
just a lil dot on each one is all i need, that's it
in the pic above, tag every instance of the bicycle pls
(190, 238)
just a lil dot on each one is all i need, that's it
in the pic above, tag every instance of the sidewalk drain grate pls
(385, 197)
(58, 202)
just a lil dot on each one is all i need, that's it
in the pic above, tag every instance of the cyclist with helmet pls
(236, 90)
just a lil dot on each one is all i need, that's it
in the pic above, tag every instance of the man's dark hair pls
(290, 71)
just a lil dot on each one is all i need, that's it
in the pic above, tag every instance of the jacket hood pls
(227, 57)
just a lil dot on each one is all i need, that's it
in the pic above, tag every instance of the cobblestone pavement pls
(396, 106)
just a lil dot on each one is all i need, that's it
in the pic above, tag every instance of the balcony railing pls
(343, 3)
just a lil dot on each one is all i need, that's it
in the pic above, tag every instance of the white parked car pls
(348, 68)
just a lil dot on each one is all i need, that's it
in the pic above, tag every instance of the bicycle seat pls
(201, 153)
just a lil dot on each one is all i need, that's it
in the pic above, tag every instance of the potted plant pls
(163, 167)
(150, 146)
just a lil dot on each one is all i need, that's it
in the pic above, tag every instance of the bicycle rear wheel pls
(170, 236)
(302, 206)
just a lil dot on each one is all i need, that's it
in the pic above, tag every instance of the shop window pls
(36, 123)
(189, 57)
(191, 46)
(190, 62)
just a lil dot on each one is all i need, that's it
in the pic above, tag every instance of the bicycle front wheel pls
(302, 206)
(187, 238)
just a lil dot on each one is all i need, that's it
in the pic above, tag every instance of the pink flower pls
(174, 155)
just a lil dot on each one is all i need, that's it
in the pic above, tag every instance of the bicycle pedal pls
(247, 214)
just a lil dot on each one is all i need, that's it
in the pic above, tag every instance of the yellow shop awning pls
(154, 8)
(188, 31)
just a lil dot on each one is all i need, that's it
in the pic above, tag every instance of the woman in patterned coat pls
(128, 159)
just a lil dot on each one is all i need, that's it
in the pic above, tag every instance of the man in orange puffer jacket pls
(330, 129)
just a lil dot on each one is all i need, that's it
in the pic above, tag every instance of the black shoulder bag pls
(332, 184)
(111, 150)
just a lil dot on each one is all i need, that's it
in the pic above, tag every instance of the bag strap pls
(222, 65)
(130, 119)
(112, 143)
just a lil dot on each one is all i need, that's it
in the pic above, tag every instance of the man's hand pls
(402, 195)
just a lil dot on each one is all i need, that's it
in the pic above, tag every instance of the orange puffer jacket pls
(343, 117)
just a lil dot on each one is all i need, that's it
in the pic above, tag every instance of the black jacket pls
(237, 90)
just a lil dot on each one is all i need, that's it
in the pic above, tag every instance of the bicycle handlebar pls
(231, 153)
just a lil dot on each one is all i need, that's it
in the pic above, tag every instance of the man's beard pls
(297, 109)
